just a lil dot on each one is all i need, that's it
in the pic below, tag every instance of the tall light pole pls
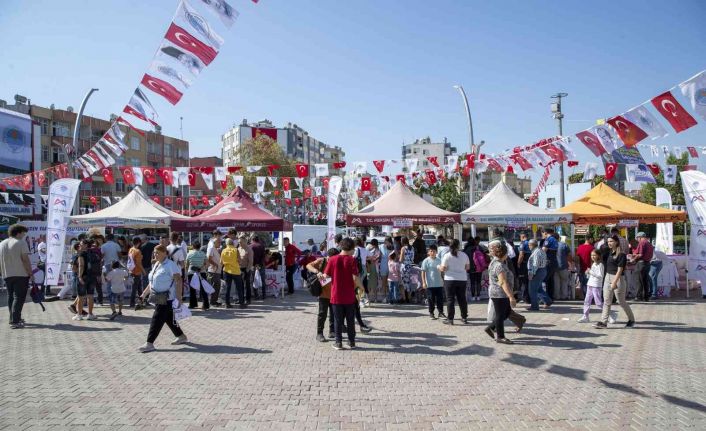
(471, 143)
(556, 110)
(74, 145)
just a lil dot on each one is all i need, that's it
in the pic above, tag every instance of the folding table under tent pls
(502, 206)
(136, 210)
(398, 206)
(603, 205)
(238, 210)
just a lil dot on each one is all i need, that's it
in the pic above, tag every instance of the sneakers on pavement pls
(77, 317)
(613, 317)
(180, 340)
(504, 341)
(584, 319)
(600, 325)
(351, 345)
(92, 317)
(490, 333)
(630, 324)
(338, 346)
(365, 329)
(447, 322)
(147, 347)
(320, 338)
(114, 315)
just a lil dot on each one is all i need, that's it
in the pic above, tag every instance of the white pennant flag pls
(502, 162)
(208, 179)
(453, 163)
(481, 165)
(300, 183)
(665, 150)
(609, 140)
(643, 119)
(312, 182)
(589, 171)
(703, 150)
(564, 146)
(175, 178)
(256, 198)
(253, 169)
(273, 181)
(318, 190)
(670, 174)
(260, 182)
(411, 164)
(654, 150)
(288, 194)
(360, 167)
(137, 173)
(266, 194)
(5, 196)
(238, 181)
(220, 173)
(694, 89)
(543, 157)
(107, 199)
(321, 169)
(183, 176)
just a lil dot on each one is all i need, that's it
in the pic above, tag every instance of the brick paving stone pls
(261, 369)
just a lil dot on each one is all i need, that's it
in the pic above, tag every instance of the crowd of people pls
(351, 275)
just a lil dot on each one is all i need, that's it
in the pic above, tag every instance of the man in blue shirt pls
(551, 245)
(522, 260)
(432, 282)
(561, 275)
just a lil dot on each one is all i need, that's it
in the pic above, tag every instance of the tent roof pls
(401, 203)
(237, 210)
(602, 204)
(134, 210)
(502, 206)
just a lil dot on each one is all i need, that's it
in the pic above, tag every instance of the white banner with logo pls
(694, 186)
(334, 188)
(62, 194)
(665, 233)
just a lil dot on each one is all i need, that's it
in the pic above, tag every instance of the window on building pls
(425, 152)
(135, 162)
(551, 203)
(425, 164)
(119, 186)
(120, 161)
(84, 132)
(57, 155)
(44, 124)
(46, 154)
(167, 150)
(134, 143)
(415, 151)
(167, 190)
(61, 129)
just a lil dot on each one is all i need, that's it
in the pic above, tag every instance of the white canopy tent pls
(136, 210)
(501, 206)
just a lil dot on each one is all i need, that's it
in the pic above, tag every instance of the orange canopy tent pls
(602, 204)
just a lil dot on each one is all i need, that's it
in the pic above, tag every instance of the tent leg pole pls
(686, 245)
(573, 253)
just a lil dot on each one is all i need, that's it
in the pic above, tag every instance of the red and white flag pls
(127, 123)
(433, 160)
(128, 177)
(520, 161)
(302, 170)
(140, 107)
(103, 153)
(149, 175)
(591, 142)
(379, 165)
(673, 112)
(286, 183)
(646, 121)
(628, 131)
(108, 175)
(555, 153)
(692, 152)
(365, 184)
(610, 169)
(654, 167)
(163, 88)
(167, 175)
(184, 39)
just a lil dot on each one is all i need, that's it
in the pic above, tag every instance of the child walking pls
(116, 282)
(595, 282)
(393, 277)
(431, 281)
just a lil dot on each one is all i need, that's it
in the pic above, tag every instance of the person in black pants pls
(455, 266)
(291, 253)
(551, 245)
(196, 261)
(16, 270)
(522, 272)
(500, 292)
(325, 310)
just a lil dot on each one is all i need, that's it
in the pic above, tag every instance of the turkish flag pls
(163, 88)
(218, 198)
(627, 130)
(672, 110)
(365, 184)
(179, 200)
(521, 161)
(193, 200)
(62, 170)
(285, 183)
(339, 165)
(155, 199)
(166, 174)
(93, 200)
(654, 167)
(107, 175)
(302, 170)
(555, 153)
(692, 152)
(41, 178)
(572, 163)
(127, 123)
(192, 177)
(379, 165)
(434, 160)
(148, 175)
(224, 184)
(128, 176)
(591, 142)
(288, 202)
(271, 169)
(182, 38)
(204, 200)
(494, 165)
(168, 201)
(431, 177)
(307, 192)
(266, 131)
(471, 160)
(315, 200)
(325, 181)
(297, 201)
(400, 177)
(208, 170)
(27, 182)
(610, 169)
(233, 169)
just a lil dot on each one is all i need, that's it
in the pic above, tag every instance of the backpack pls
(480, 260)
(359, 262)
(130, 263)
(313, 283)
(93, 264)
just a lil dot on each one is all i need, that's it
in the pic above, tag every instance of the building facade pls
(296, 143)
(423, 148)
(200, 188)
(57, 128)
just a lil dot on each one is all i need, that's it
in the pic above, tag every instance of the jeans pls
(642, 279)
(238, 281)
(358, 317)
(290, 278)
(341, 311)
(475, 278)
(435, 296)
(136, 288)
(16, 293)
(455, 291)
(536, 291)
(247, 283)
(583, 280)
(502, 312)
(193, 300)
(214, 279)
(393, 291)
(324, 311)
(561, 284)
(163, 314)
(655, 268)
(592, 293)
(619, 291)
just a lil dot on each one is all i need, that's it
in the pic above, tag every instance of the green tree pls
(261, 151)
(445, 195)
(578, 178)
(648, 193)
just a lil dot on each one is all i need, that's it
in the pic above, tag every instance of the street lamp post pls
(474, 150)
(556, 110)
(74, 144)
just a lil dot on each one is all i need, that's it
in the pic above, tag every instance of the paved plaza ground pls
(260, 368)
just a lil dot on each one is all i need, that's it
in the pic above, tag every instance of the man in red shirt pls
(343, 271)
(291, 253)
(641, 258)
(584, 257)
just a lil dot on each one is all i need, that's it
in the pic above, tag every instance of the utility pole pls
(471, 143)
(556, 111)
(74, 146)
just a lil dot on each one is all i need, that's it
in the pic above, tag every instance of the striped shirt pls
(537, 261)
(196, 258)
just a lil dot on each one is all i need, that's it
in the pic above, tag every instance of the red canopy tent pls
(237, 210)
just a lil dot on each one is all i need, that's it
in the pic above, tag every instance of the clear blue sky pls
(368, 75)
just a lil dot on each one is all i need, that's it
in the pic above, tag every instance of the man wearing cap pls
(641, 258)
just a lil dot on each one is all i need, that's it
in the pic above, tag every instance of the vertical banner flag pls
(670, 174)
(665, 234)
(694, 186)
(62, 194)
(695, 90)
(589, 171)
(334, 188)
